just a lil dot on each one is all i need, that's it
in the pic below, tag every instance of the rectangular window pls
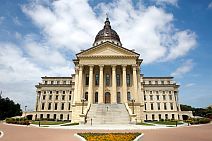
(145, 106)
(170, 92)
(49, 106)
(69, 106)
(158, 97)
(172, 116)
(144, 97)
(118, 80)
(87, 79)
(50, 97)
(128, 96)
(107, 80)
(56, 97)
(70, 92)
(58, 82)
(171, 106)
(62, 106)
(55, 106)
(69, 97)
(57, 92)
(44, 97)
(43, 106)
(162, 82)
(156, 82)
(64, 92)
(165, 108)
(50, 92)
(150, 92)
(128, 79)
(97, 79)
(52, 82)
(151, 97)
(164, 97)
(159, 116)
(170, 97)
(152, 106)
(48, 116)
(150, 82)
(64, 82)
(45, 82)
(168, 82)
(63, 97)
(158, 106)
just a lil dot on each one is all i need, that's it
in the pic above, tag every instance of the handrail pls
(86, 111)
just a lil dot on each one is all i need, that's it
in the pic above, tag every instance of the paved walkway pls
(24, 133)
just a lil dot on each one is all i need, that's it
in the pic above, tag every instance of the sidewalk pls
(108, 127)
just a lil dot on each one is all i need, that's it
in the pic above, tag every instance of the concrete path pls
(24, 133)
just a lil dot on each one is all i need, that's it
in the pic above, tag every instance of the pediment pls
(107, 49)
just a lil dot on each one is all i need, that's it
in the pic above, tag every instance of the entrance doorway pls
(107, 97)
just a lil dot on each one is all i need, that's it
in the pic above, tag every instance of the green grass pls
(70, 124)
(145, 124)
(167, 122)
(48, 122)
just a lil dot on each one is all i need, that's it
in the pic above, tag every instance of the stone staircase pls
(108, 114)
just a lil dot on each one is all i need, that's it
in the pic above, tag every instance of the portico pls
(110, 83)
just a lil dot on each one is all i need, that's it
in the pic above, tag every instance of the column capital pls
(101, 67)
(91, 67)
(113, 67)
(124, 67)
(80, 67)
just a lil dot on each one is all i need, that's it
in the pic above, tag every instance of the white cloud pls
(189, 85)
(162, 2)
(17, 21)
(183, 69)
(69, 26)
(210, 5)
(74, 24)
(1, 19)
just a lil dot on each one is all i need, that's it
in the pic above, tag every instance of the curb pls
(79, 137)
(2, 134)
(139, 138)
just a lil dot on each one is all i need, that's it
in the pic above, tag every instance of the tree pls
(8, 108)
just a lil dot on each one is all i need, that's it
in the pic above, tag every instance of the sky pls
(41, 37)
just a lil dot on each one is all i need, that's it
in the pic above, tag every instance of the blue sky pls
(40, 38)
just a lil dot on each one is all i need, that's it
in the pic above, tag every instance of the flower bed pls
(109, 136)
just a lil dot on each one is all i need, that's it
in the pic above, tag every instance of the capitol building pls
(108, 88)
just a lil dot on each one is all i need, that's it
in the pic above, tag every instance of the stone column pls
(124, 84)
(114, 95)
(135, 83)
(101, 85)
(90, 87)
(76, 85)
(80, 85)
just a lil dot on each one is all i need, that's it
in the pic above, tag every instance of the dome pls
(107, 34)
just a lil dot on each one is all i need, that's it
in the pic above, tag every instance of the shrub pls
(21, 121)
(199, 121)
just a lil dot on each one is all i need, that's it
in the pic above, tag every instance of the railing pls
(132, 116)
(86, 111)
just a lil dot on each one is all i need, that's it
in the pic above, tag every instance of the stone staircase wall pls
(108, 114)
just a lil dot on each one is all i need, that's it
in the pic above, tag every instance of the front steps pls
(108, 114)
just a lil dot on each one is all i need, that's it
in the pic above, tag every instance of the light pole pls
(133, 101)
(83, 100)
(25, 111)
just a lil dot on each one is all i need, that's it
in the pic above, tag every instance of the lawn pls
(109, 136)
(167, 122)
(48, 122)
(145, 124)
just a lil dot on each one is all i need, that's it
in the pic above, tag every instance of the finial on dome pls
(107, 18)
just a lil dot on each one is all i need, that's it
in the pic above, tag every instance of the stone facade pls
(107, 73)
